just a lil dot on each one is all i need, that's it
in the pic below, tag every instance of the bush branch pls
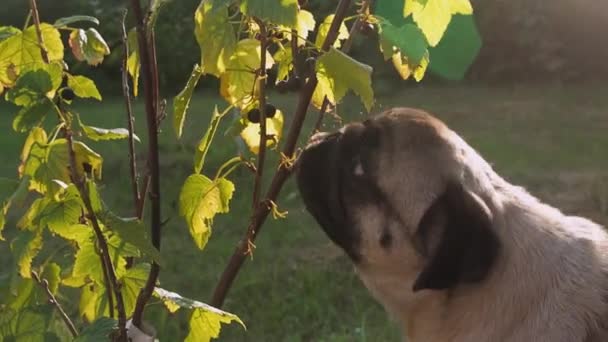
(34, 12)
(45, 285)
(150, 74)
(283, 172)
(261, 84)
(112, 284)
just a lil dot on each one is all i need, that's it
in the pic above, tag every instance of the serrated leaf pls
(52, 274)
(25, 247)
(284, 58)
(281, 12)
(32, 115)
(35, 84)
(7, 32)
(19, 191)
(132, 231)
(200, 200)
(88, 45)
(237, 85)
(132, 282)
(37, 135)
(205, 143)
(406, 69)
(274, 129)
(27, 325)
(64, 212)
(104, 134)
(205, 321)
(324, 29)
(29, 220)
(337, 73)
(433, 16)
(83, 87)
(87, 262)
(79, 233)
(133, 63)
(99, 330)
(408, 38)
(215, 36)
(21, 51)
(65, 21)
(182, 100)
(93, 302)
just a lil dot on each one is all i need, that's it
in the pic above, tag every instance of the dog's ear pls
(464, 247)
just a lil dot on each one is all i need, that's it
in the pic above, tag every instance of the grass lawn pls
(298, 287)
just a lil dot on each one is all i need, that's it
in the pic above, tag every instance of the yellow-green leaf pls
(274, 129)
(99, 330)
(21, 51)
(433, 16)
(408, 39)
(93, 302)
(133, 64)
(52, 274)
(32, 115)
(337, 73)
(36, 135)
(324, 29)
(205, 143)
(284, 58)
(132, 231)
(36, 84)
(305, 22)
(88, 45)
(182, 100)
(406, 69)
(65, 21)
(279, 12)
(215, 36)
(205, 321)
(238, 83)
(64, 212)
(200, 200)
(83, 87)
(25, 247)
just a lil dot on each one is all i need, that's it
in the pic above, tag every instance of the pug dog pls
(453, 251)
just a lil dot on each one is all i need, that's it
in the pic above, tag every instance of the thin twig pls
(283, 172)
(130, 118)
(261, 79)
(364, 10)
(150, 75)
(294, 52)
(114, 286)
(34, 11)
(45, 285)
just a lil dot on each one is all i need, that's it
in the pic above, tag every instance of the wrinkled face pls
(387, 192)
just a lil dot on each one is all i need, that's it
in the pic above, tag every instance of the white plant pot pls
(146, 334)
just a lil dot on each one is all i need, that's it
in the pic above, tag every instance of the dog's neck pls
(530, 290)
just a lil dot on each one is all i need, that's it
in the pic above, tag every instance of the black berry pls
(366, 29)
(254, 115)
(67, 94)
(270, 110)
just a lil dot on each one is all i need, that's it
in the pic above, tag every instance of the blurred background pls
(534, 103)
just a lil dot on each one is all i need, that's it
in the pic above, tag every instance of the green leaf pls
(93, 302)
(200, 200)
(205, 143)
(7, 32)
(38, 83)
(284, 58)
(63, 213)
(25, 247)
(38, 136)
(324, 29)
(132, 282)
(79, 233)
(32, 115)
(281, 12)
(30, 221)
(87, 262)
(17, 197)
(52, 274)
(83, 87)
(21, 51)
(182, 100)
(132, 231)
(337, 73)
(237, 85)
(433, 16)
(215, 36)
(99, 330)
(27, 325)
(65, 21)
(274, 128)
(205, 321)
(104, 134)
(408, 38)
(133, 64)
(88, 45)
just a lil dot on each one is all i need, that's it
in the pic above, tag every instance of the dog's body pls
(453, 251)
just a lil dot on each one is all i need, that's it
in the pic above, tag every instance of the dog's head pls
(390, 192)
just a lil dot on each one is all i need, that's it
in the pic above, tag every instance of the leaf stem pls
(34, 11)
(45, 285)
(261, 212)
(151, 93)
(130, 120)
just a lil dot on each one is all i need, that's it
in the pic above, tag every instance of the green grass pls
(298, 287)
